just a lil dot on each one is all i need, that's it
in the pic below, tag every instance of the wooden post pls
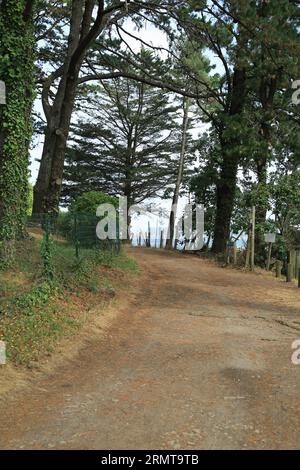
(149, 236)
(234, 255)
(289, 274)
(247, 262)
(299, 278)
(269, 256)
(278, 268)
(297, 262)
(228, 254)
(140, 239)
(253, 239)
(76, 237)
(292, 262)
(161, 244)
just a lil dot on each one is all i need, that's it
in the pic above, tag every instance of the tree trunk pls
(261, 210)
(267, 90)
(226, 188)
(128, 195)
(268, 84)
(172, 218)
(51, 201)
(49, 182)
(226, 185)
(17, 29)
(42, 183)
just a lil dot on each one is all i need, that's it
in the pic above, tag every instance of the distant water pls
(155, 243)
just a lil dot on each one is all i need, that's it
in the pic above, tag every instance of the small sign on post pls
(2, 353)
(270, 237)
(253, 238)
(2, 92)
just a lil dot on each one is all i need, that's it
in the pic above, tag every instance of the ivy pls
(17, 71)
(47, 248)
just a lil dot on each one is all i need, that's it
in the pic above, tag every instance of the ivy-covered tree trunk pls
(17, 71)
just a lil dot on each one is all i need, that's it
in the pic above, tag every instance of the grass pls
(125, 263)
(36, 312)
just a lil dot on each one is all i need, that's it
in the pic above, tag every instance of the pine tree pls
(128, 145)
(258, 44)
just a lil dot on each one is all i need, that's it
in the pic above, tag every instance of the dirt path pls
(201, 360)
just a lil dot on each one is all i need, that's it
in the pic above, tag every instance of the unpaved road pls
(201, 360)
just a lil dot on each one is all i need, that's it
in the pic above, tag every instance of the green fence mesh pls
(76, 229)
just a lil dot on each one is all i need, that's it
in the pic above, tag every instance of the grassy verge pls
(36, 312)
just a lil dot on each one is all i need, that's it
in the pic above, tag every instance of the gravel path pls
(200, 360)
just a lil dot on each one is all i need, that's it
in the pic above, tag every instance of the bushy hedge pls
(79, 223)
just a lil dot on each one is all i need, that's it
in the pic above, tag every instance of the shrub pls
(88, 202)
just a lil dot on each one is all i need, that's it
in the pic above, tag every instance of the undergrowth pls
(37, 296)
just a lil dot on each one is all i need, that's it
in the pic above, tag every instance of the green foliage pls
(65, 224)
(36, 313)
(17, 71)
(285, 203)
(28, 302)
(30, 199)
(125, 263)
(47, 248)
(79, 224)
(204, 181)
(128, 146)
(87, 203)
(257, 123)
(32, 324)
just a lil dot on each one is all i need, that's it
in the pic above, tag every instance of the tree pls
(180, 171)
(128, 144)
(60, 86)
(244, 36)
(87, 203)
(204, 180)
(83, 31)
(221, 27)
(80, 222)
(17, 71)
(270, 92)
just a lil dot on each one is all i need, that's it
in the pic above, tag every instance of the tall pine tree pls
(128, 144)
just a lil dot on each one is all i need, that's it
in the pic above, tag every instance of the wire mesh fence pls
(78, 230)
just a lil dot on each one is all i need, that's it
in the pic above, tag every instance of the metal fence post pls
(118, 235)
(76, 236)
